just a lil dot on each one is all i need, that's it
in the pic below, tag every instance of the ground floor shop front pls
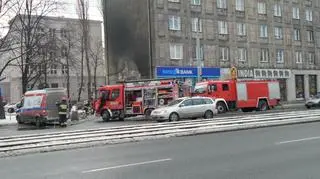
(303, 84)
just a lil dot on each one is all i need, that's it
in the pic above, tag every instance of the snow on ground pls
(10, 120)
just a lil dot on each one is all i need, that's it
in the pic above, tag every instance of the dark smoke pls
(128, 34)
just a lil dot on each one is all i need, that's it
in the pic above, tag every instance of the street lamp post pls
(198, 51)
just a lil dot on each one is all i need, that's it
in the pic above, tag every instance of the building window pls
(196, 2)
(298, 56)
(299, 79)
(279, 56)
(277, 10)
(63, 33)
(242, 54)
(64, 51)
(278, 33)
(262, 8)
(224, 53)
(223, 27)
(309, 36)
(222, 4)
(264, 56)
(263, 31)
(310, 57)
(194, 54)
(295, 13)
(313, 85)
(174, 0)
(309, 15)
(176, 51)
(296, 33)
(53, 69)
(241, 28)
(174, 23)
(52, 32)
(54, 85)
(64, 69)
(196, 25)
(239, 5)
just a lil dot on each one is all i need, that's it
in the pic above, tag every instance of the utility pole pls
(198, 51)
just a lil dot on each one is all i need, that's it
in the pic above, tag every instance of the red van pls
(39, 106)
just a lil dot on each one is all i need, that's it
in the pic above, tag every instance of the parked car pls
(314, 101)
(11, 107)
(186, 107)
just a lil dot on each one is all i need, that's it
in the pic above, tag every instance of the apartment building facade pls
(277, 39)
(65, 33)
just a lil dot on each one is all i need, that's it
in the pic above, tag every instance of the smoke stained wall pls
(128, 39)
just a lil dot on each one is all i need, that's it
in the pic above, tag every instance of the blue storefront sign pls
(173, 72)
(208, 72)
(186, 72)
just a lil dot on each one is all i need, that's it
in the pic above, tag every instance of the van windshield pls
(32, 102)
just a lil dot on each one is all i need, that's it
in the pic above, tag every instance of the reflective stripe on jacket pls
(63, 109)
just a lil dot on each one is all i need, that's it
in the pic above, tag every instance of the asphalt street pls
(286, 152)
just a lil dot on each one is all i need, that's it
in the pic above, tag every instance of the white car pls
(187, 107)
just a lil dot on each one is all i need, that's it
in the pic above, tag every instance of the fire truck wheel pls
(221, 107)
(263, 105)
(105, 116)
(174, 117)
(121, 116)
(208, 114)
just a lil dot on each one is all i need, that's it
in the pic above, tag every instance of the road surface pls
(286, 152)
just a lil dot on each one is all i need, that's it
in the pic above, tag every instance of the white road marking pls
(298, 140)
(127, 165)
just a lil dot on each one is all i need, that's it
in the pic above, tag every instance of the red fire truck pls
(135, 98)
(247, 95)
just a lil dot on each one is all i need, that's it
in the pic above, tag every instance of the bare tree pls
(83, 7)
(27, 23)
(96, 54)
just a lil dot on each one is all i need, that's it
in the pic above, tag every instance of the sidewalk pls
(294, 104)
(10, 120)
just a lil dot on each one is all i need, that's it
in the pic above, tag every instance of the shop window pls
(313, 85)
(225, 87)
(299, 79)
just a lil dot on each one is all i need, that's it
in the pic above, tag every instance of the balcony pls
(196, 8)
(262, 17)
(264, 40)
(223, 37)
(296, 21)
(277, 19)
(240, 14)
(222, 12)
(174, 6)
(175, 33)
(242, 38)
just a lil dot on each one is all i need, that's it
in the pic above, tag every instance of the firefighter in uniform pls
(63, 110)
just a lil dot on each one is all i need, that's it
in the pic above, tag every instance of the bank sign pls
(186, 72)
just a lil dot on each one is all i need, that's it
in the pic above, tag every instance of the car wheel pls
(147, 114)
(38, 123)
(308, 107)
(174, 117)
(208, 114)
(105, 116)
(221, 107)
